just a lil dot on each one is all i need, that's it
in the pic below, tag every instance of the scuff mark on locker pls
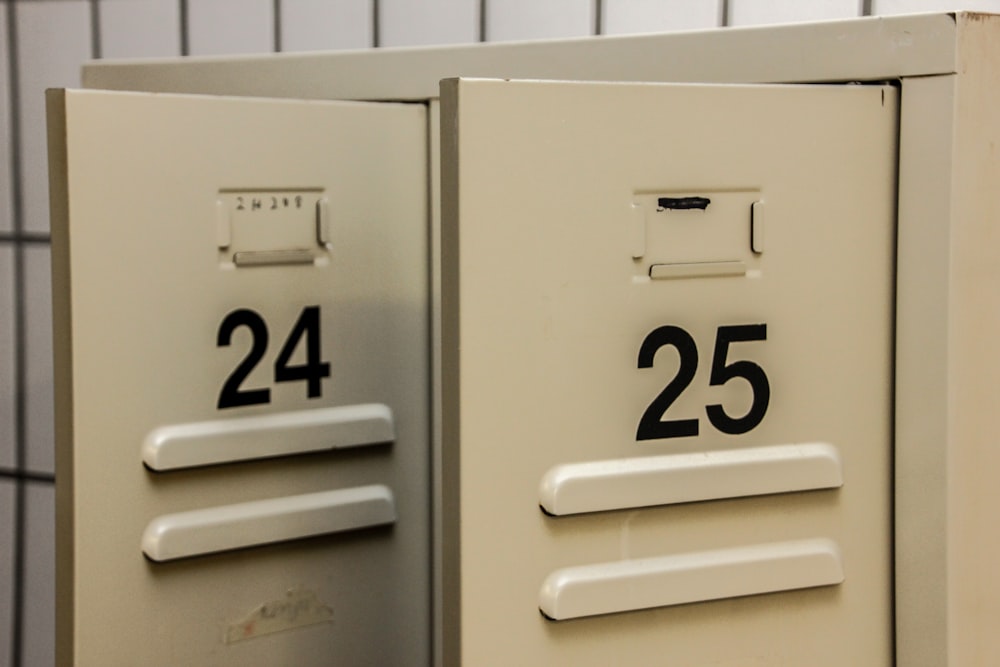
(626, 535)
(299, 608)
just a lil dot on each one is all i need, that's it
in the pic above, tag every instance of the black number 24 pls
(652, 426)
(312, 371)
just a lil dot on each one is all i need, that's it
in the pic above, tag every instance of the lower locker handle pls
(250, 524)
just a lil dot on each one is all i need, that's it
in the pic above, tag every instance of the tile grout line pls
(24, 237)
(17, 475)
(95, 29)
(182, 15)
(276, 25)
(482, 21)
(20, 356)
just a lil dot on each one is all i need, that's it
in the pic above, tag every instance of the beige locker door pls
(667, 373)
(241, 312)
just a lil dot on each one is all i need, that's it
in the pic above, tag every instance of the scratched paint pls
(297, 609)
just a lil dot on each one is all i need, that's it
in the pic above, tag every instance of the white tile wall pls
(539, 19)
(139, 28)
(53, 38)
(755, 12)
(313, 25)
(38, 626)
(408, 23)
(622, 17)
(6, 159)
(38, 359)
(912, 6)
(8, 432)
(230, 26)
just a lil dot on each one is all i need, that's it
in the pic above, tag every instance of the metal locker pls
(567, 299)
(243, 417)
(666, 351)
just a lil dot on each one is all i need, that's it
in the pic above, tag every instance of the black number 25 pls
(652, 426)
(312, 371)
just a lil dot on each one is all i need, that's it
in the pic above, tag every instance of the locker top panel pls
(871, 48)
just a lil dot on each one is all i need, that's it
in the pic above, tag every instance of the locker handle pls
(597, 486)
(259, 522)
(645, 583)
(231, 440)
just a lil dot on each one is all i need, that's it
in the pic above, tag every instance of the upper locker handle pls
(283, 434)
(602, 486)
